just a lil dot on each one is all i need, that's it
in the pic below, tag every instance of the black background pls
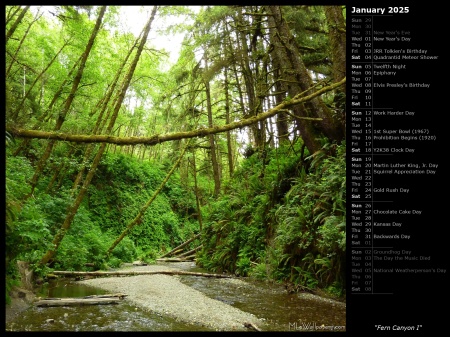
(416, 299)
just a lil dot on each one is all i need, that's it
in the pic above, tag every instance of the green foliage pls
(243, 264)
(55, 207)
(86, 242)
(147, 254)
(114, 262)
(239, 224)
(311, 227)
(18, 172)
(28, 227)
(71, 254)
(282, 218)
(259, 271)
(305, 22)
(11, 280)
(30, 236)
(125, 251)
(279, 216)
(119, 190)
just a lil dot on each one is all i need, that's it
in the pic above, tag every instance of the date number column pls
(361, 128)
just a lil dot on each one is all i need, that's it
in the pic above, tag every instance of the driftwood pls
(60, 302)
(131, 273)
(176, 249)
(251, 326)
(87, 300)
(119, 295)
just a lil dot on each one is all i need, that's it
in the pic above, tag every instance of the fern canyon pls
(202, 147)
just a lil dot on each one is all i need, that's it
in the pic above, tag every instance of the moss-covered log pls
(176, 249)
(156, 139)
(189, 252)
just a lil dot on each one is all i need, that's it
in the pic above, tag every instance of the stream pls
(269, 302)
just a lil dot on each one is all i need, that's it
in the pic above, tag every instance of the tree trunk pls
(227, 121)
(336, 27)
(13, 58)
(197, 199)
(212, 143)
(76, 82)
(59, 170)
(74, 207)
(16, 23)
(21, 104)
(248, 80)
(296, 73)
(282, 118)
(12, 13)
(23, 146)
(101, 121)
(157, 139)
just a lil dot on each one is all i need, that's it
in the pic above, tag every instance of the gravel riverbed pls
(166, 295)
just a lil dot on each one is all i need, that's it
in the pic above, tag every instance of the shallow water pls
(270, 302)
(279, 310)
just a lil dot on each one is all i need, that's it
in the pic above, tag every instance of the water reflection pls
(281, 311)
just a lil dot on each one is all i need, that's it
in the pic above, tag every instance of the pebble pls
(164, 294)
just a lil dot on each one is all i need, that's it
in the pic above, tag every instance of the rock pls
(21, 300)
(139, 263)
(26, 275)
(50, 320)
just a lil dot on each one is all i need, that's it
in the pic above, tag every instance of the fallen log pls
(60, 302)
(119, 295)
(177, 259)
(175, 252)
(190, 252)
(181, 246)
(173, 259)
(132, 273)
